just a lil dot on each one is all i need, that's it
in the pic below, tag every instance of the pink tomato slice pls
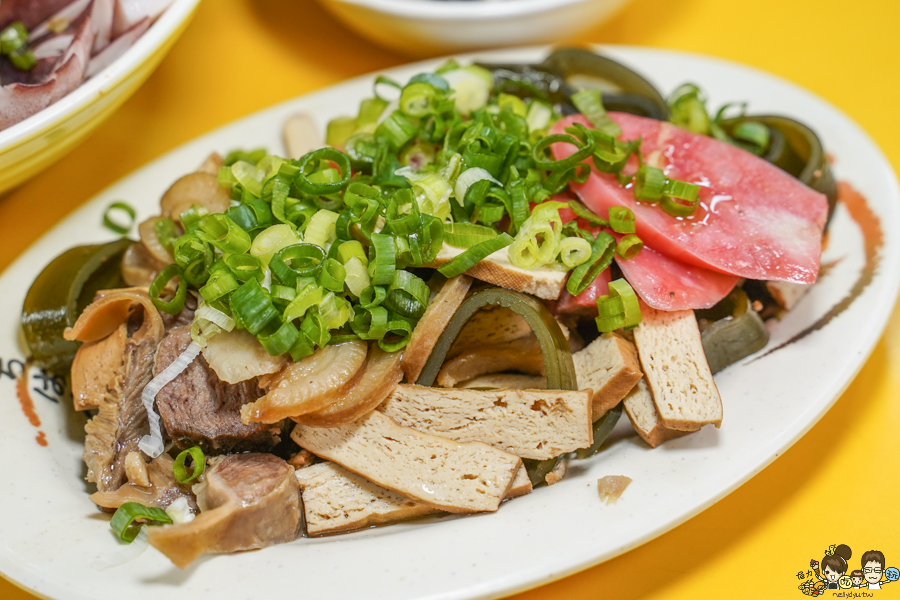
(584, 303)
(667, 284)
(754, 220)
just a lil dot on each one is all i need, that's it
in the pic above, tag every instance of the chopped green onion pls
(629, 246)
(475, 254)
(432, 192)
(396, 130)
(123, 521)
(219, 285)
(621, 219)
(270, 241)
(14, 43)
(357, 278)
(321, 230)
(466, 235)
(574, 251)
(681, 198)
(166, 231)
(173, 306)
(307, 297)
(335, 311)
(303, 179)
(602, 251)
(407, 295)
(590, 103)
(687, 108)
(649, 183)
(281, 340)
(401, 330)
(583, 212)
(349, 249)
(469, 177)
(332, 275)
(419, 99)
(13, 38)
(382, 259)
(754, 134)
(199, 464)
(244, 266)
(299, 260)
(252, 306)
(109, 223)
(250, 176)
(370, 323)
(619, 308)
(223, 233)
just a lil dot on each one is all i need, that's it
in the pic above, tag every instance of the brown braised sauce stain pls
(28, 405)
(873, 240)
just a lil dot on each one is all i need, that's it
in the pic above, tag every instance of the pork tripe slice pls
(672, 358)
(535, 424)
(458, 478)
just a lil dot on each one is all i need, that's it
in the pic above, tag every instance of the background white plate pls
(50, 533)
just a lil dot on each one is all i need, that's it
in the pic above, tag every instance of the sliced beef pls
(183, 318)
(247, 501)
(198, 408)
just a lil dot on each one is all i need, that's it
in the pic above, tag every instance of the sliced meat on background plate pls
(30, 12)
(754, 221)
(19, 101)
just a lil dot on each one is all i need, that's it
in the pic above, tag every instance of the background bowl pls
(428, 27)
(34, 144)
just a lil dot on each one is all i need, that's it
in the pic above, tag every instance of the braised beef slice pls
(199, 409)
(183, 318)
(247, 501)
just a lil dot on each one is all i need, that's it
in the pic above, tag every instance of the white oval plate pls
(52, 534)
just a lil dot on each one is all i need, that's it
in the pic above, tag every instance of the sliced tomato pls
(667, 284)
(584, 303)
(754, 220)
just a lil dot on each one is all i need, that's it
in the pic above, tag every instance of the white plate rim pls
(888, 281)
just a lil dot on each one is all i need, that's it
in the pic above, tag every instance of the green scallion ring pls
(173, 306)
(583, 212)
(112, 225)
(621, 219)
(297, 260)
(244, 267)
(123, 520)
(332, 275)
(281, 340)
(199, 464)
(677, 207)
(475, 254)
(649, 183)
(223, 233)
(629, 246)
(382, 259)
(303, 182)
(620, 308)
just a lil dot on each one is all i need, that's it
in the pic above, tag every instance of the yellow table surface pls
(838, 484)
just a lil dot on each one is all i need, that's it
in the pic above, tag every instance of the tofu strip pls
(458, 478)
